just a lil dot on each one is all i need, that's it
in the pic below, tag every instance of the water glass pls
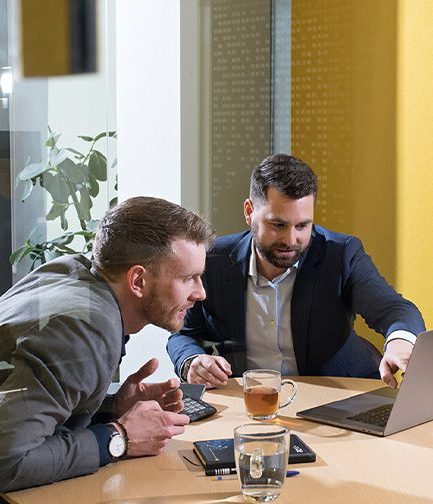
(261, 454)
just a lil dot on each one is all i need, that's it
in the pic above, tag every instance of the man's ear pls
(136, 279)
(248, 210)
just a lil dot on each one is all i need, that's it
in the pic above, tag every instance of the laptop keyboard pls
(377, 416)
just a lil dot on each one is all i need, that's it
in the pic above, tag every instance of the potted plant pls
(72, 179)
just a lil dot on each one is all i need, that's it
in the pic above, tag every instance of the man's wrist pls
(184, 368)
(119, 441)
(400, 335)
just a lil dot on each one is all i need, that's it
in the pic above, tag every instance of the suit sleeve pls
(44, 436)
(185, 343)
(382, 308)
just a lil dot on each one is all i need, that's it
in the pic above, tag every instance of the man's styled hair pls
(288, 174)
(141, 230)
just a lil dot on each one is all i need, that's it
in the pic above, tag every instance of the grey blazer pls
(61, 329)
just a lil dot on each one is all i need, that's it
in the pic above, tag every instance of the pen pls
(227, 477)
(225, 471)
(220, 472)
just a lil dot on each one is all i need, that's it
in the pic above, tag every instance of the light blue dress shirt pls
(268, 320)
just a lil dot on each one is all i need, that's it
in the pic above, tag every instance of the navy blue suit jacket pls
(335, 281)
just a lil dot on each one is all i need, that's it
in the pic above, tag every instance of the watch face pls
(117, 445)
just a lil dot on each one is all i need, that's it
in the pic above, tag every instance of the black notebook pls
(219, 453)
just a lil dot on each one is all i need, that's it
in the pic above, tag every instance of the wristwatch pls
(185, 367)
(118, 443)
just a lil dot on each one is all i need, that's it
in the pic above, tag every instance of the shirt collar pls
(257, 279)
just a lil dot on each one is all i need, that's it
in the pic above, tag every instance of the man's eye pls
(278, 225)
(191, 278)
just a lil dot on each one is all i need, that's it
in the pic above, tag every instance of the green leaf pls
(98, 165)
(49, 255)
(52, 139)
(113, 202)
(101, 135)
(66, 250)
(19, 254)
(77, 153)
(91, 227)
(55, 211)
(85, 204)
(28, 188)
(63, 222)
(64, 239)
(104, 134)
(57, 187)
(60, 157)
(39, 257)
(32, 171)
(76, 173)
(93, 186)
(86, 138)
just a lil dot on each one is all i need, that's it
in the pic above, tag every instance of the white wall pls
(85, 104)
(148, 119)
(72, 105)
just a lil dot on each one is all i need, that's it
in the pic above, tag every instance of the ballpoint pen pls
(220, 472)
(223, 472)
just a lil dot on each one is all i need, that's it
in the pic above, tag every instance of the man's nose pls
(199, 294)
(290, 237)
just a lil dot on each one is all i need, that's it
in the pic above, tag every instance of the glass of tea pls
(262, 388)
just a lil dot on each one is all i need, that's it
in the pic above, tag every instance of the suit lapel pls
(235, 277)
(303, 290)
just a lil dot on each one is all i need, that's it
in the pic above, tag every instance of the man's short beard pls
(268, 252)
(278, 262)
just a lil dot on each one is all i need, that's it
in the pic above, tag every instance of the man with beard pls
(63, 330)
(284, 295)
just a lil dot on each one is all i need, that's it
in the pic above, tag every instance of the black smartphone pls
(193, 390)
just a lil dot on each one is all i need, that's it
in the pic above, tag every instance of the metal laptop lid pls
(413, 401)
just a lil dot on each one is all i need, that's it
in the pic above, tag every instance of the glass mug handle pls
(256, 463)
(292, 395)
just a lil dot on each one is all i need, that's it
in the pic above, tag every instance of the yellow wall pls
(353, 121)
(415, 153)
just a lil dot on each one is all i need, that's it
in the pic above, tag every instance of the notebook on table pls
(385, 411)
(219, 453)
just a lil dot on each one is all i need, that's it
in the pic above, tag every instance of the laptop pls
(385, 411)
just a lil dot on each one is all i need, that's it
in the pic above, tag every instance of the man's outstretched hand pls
(167, 394)
(149, 428)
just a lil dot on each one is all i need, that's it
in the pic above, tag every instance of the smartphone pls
(193, 390)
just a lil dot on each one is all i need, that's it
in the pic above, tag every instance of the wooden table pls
(350, 468)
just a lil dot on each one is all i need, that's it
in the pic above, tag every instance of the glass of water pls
(261, 453)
